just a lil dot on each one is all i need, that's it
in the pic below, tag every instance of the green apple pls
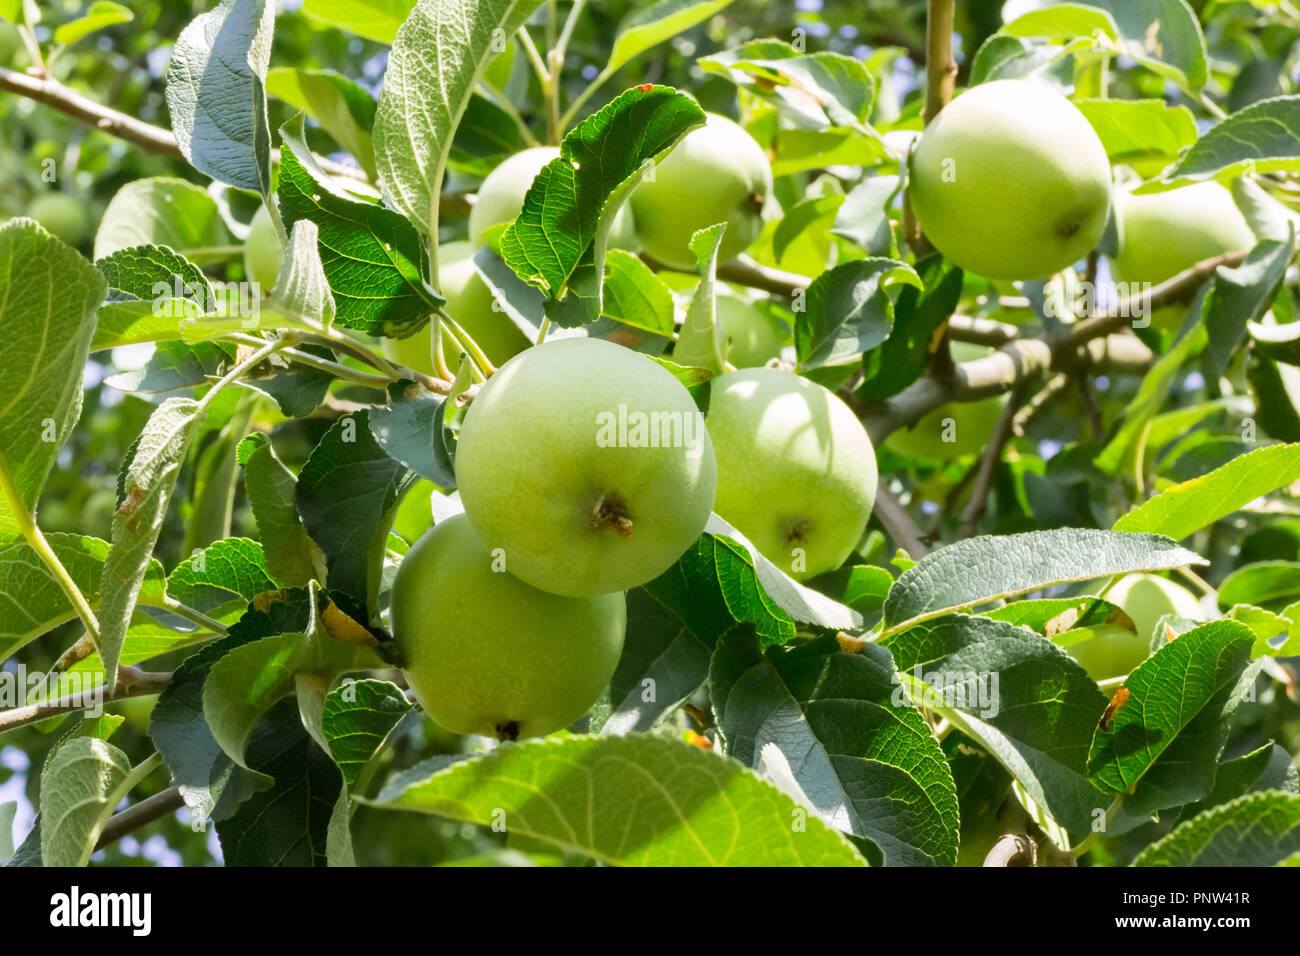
(1009, 181)
(755, 338)
(61, 215)
(262, 252)
(956, 429)
(796, 470)
(502, 196)
(1161, 234)
(1114, 651)
(470, 303)
(486, 653)
(717, 173)
(587, 464)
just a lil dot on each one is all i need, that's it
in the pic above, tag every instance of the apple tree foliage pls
(205, 494)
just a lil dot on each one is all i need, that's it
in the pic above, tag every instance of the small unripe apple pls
(755, 338)
(953, 430)
(61, 215)
(796, 470)
(262, 252)
(486, 653)
(1161, 234)
(502, 196)
(716, 173)
(470, 303)
(1114, 651)
(587, 464)
(1010, 181)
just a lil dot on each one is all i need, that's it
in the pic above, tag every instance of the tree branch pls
(131, 682)
(940, 68)
(140, 814)
(157, 140)
(988, 466)
(899, 524)
(1012, 849)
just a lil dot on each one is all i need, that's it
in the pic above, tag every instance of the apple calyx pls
(611, 512)
(509, 730)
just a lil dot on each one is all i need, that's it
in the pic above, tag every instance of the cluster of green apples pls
(586, 469)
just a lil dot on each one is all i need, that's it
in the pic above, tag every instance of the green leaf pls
(848, 311)
(210, 782)
(81, 782)
(150, 290)
(1241, 295)
(347, 492)
(102, 13)
(286, 824)
(1276, 389)
(1022, 697)
(1281, 343)
(863, 216)
(424, 98)
(1264, 136)
(48, 298)
(342, 107)
(663, 664)
(31, 601)
(222, 578)
(1137, 130)
(163, 212)
(1003, 57)
(814, 214)
(216, 96)
(700, 341)
(486, 136)
(1259, 829)
(1267, 768)
(635, 296)
(409, 430)
(1184, 509)
(1162, 35)
(301, 289)
(357, 718)
(571, 203)
(918, 315)
(1063, 21)
(371, 255)
(376, 20)
(291, 555)
(842, 727)
(150, 477)
(829, 89)
(1166, 693)
(651, 25)
(984, 569)
(629, 801)
(1271, 585)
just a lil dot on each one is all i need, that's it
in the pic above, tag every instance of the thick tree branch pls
(131, 682)
(140, 814)
(940, 68)
(1012, 849)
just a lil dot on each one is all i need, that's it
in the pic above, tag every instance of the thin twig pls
(131, 682)
(899, 524)
(988, 466)
(140, 814)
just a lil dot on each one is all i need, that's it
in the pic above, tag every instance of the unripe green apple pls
(967, 424)
(796, 470)
(502, 196)
(755, 338)
(262, 252)
(1009, 181)
(1114, 651)
(717, 173)
(61, 215)
(469, 302)
(588, 464)
(486, 653)
(1161, 234)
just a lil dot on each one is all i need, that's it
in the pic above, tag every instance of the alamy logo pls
(634, 428)
(975, 692)
(75, 909)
